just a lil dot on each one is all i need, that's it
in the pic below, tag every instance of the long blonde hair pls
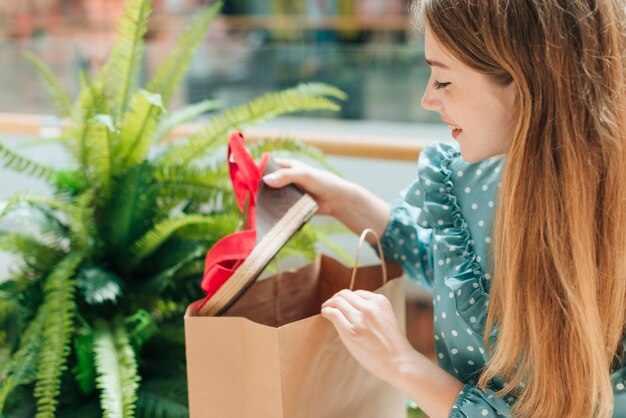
(558, 295)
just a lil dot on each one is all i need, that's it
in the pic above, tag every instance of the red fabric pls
(226, 255)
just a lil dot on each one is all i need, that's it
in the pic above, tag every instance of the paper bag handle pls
(358, 252)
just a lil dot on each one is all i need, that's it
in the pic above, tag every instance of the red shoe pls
(271, 217)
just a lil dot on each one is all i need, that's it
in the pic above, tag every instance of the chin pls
(471, 156)
(475, 155)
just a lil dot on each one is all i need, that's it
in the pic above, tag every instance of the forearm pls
(362, 209)
(431, 387)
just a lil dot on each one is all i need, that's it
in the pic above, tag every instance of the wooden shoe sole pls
(269, 244)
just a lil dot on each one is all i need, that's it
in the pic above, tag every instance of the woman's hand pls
(350, 203)
(330, 191)
(368, 327)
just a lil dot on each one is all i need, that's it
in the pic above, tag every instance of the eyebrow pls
(436, 64)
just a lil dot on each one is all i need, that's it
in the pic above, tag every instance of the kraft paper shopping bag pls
(272, 355)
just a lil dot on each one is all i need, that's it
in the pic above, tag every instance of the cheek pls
(487, 129)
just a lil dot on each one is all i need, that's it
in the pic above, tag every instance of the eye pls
(438, 85)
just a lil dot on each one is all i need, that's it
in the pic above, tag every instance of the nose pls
(430, 101)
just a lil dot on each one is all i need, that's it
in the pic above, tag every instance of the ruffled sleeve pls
(405, 241)
(408, 237)
(429, 236)
(474, 403)
(455, 254)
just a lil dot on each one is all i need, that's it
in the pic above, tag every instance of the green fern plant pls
(91, 321)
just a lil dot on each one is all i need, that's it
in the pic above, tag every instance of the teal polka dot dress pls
(440, 232)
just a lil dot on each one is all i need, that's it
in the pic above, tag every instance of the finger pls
(337, 318)
(285, 176)
(355, 299)
(285, 162)
(365, 294)
(351, 313)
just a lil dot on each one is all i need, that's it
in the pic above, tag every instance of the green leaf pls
(312, 96)
(130, 210)
(98, 286)
(302, 243)
(59, 97)
(324, 232)
(91, 99)
(76, 138)
(72, 182)
(160, 282)
(22, 367)
(18, 163)
(339, 252)
(82, 228)
(183, 115)
(181, 183)
(118, 379)
(99, 158)
(122, 68)
(32, 200)
(59, 307)
(138, 130)
(32, 251)
(152, 404)
(141, 326)
(154, 238)
(168, 75)
(85, 369)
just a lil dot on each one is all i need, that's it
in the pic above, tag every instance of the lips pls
(450, 124)
(456, 129)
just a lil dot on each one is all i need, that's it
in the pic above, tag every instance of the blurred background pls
(368, 48)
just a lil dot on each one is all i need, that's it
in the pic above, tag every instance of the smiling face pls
(479, 112)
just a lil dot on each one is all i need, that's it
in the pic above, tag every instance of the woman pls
(529, 311)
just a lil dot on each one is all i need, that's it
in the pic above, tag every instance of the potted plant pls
(91, 322)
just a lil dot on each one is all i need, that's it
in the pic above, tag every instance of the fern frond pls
(58, 96)
(313, 96)
(157, 400)
(138, 130)
(147, 244)
(98, 286)
(184, 115)
(225, 223)
(82, 227)
(91, 99)
(336, 249)
(194, 268)
(178, 183)
(324, 232)
(59, 306)
(122, 68)
(168, 75)
(22, 367)
(85, 369)
(130, 209)
(32, 200)
(118, 379)
(292, 148)
(301, 244)
(161, 281)
(32, 251)
(99, 159)
(141, 326)
(90, 102)
(18, 163)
